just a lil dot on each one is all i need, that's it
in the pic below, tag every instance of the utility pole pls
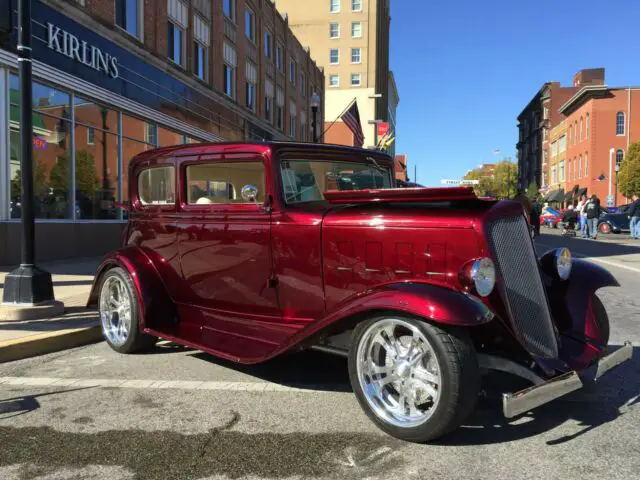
(27, 286)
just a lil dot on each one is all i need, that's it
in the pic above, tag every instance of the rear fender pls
(571, 300)
(156, 307)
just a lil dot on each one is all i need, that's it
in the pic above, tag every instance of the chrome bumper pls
(514, 404)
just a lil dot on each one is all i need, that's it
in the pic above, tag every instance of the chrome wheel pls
(115, 310)
(398, 372)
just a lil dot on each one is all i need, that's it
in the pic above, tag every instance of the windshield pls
(307, 180)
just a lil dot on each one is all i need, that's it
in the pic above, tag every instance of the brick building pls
(114, 78)
(536, 121)
(601, 124)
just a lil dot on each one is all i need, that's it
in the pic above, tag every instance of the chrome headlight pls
(563, 262)
(483, 275)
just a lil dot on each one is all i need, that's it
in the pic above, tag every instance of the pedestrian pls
(535, 215)
(634, 216)
(582, 216)
(593, 215)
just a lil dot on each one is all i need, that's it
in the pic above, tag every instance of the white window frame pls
(331, 51)
(624, 124)
(359, 50)
(140, 27)
(334, 6)
(336, 77)
(353, 24)
(331, 35)
(91, 132)
(353, 9)
(359, 76)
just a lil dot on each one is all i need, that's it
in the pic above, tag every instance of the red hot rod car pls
(247, 251)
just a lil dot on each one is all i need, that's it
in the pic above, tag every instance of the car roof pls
(258, 148)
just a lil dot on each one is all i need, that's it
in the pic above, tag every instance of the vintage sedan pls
(250, 250)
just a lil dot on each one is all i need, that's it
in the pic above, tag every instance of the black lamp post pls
(27, 284)
(315, 103)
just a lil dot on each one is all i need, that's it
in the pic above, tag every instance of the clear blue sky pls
(465, 69)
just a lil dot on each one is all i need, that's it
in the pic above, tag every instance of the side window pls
(225, 183)
(156, 186)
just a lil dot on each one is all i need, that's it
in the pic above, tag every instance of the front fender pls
(156, 306)
(571, 300)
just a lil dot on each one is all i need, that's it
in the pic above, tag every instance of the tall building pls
(601, 123)
(113, 78)
(536, 121)
(350, 40)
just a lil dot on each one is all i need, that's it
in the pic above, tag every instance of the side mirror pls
(249, 193)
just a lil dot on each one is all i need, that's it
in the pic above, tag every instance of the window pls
(570, 133)
(554, 148)
(250, 25)
(280, 109)
(562, 144)
(619, 158)
(334, 80)
(355, 79)
(334, 56)
(355, 55)
(303, 85)
(268, 108)
(292, 126)
(229, 80)
(251, 76)
(251, 96)
(562, 171)
(303, 126)
(620, 123)
(554, 174)
(223, 183)
(175, 43)
(575, 164)
(292, 72)
(306, 180)
(199, 60)
(545, 113)
(91, 136)
(268, 45)
(356, 29)
(356, 5)
(229, 9)
(129, 15)
(279, 64)
(156, 186)
(580, 166)
(587, 127)
(575, 133)
(581, 121)
(586, 163)
(334, 30)
(151, 133)
(334, 6)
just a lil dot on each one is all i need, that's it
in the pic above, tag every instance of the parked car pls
(614, 223)
(550, 217)
(248, 251)
(618, 209)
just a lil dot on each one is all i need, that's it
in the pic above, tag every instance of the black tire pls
(459, 373)
(136, 341)
(602, 318)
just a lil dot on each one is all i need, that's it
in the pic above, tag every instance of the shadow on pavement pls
(308, 370)
(12, 407)
(589, 248)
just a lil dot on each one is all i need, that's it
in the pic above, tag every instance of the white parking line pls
(594, 259)
(159, 384)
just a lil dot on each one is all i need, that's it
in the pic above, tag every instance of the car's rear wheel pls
(604, 228)
(602, 318)
(120, 313)
(415, 380)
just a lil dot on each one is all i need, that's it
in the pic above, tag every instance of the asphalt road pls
(175, 413)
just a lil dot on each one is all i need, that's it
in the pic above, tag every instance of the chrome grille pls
(510, 242)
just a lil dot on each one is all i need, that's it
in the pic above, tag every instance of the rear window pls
(156, 186)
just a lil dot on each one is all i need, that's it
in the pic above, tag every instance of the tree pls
(629, 173)
(532, 190)
(86, 176)
(39, 182)
(499, 181)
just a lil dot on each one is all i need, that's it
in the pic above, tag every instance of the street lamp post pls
(27, 285)
(315, 103)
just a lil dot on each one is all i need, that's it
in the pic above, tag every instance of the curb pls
(48, 342)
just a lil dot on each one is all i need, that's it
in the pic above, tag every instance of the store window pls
(129, 16)
(135, 134)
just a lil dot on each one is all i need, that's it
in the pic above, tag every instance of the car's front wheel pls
(604, 228)
(120, 314)
(415, 380)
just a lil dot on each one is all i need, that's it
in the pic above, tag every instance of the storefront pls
(95, 106)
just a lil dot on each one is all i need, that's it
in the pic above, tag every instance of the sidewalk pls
(72, 281)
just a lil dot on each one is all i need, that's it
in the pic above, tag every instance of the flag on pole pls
(352, 118)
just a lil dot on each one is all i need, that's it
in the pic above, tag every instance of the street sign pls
(459, 182)
(610, 201)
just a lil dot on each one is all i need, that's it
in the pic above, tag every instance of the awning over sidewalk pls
(581, 192)
(555, 196)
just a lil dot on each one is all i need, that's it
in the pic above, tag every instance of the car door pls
(225, 253)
